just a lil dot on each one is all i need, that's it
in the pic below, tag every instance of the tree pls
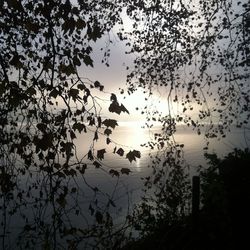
(197, 52)
(196, 55)
(45, 103)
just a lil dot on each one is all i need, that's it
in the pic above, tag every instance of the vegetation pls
(222, 218)
(195, 52)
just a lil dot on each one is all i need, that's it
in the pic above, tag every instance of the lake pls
(98, 188)
(130, 136)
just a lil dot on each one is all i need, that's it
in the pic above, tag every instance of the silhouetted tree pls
(196, 55)
(45, 103)
(197, 52)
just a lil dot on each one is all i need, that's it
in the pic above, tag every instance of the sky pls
(114, 78)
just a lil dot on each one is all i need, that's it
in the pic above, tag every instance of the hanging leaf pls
(120, 152)
(97, 84)
(125, 171)
(54, 93)
(100, 153)
(97, 164)
(107, 131)
(74, 93)
(61, 200)
(99, 217)
(90, 155)
(99, 120)
(92, 210)
(114, 173)
(112, 203)
(81, 86)
(42, 127)
(123, 109)
(88, 61)
(110, 123)
(72, 135)
(31, 91)
(116, 108)
(113, 98)
(132, 155)
(96, 136)
(79, 126)
(76, 61)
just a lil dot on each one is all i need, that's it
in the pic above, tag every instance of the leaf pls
(80, 24)
(114, 173)
(96, 136)
(116, 108)
(110, 123)
(44, 143)
(100, 153)
(132, 155)
(120, 152)
(68, 69)
(74, 93)
(60, 174)
(42, 127)
(88, 61)
(15, 61)
(108, 140)
(107, 131)
(113, 97)
(79, 126)
(96, 33)
(54, 93)
(70, 172)
(125, 171)
(99, 217)
(91, 120)
(76, 61)
(112, 203)
(97, 164)
(97, 84)
(61, 200)
(31, 91)
(78, 112)
(92, 210)
(90, 155)
(99, 120)
(123, 109)
(83, 168)
(81, 86)
(72, 135)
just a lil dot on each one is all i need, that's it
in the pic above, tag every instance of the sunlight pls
(140, 104)
(137, 134)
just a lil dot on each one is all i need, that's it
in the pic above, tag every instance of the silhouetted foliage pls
(224, 211)
(225, 199)
(197, 52)
(45, 103)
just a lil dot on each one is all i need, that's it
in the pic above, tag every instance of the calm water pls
(126, 191)
(131, 137)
